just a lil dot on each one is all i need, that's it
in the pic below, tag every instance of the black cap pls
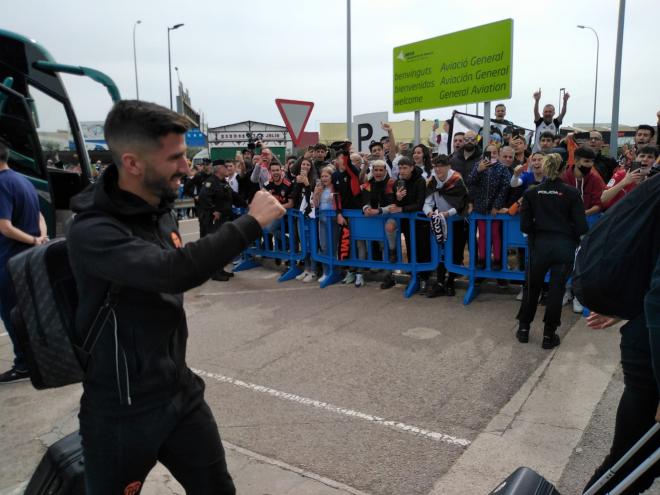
(206, 161)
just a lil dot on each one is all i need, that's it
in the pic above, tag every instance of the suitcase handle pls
(633, 450)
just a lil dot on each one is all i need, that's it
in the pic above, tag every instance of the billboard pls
(467, 66)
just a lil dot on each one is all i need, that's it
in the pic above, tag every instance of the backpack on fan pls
(44, 316)
(615, 260)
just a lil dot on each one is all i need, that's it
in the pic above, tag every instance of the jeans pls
(636, 412)
(120, 452)
(7, 303)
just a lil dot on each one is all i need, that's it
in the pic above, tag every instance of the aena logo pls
(401, 56)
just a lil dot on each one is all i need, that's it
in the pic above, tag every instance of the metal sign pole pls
(417, 127)
(486, 131)
(614, 127)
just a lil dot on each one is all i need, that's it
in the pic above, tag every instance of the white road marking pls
(289, 467)
(258, 291)
(3, 334)
(396, 425)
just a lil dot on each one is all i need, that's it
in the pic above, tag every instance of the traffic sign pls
(295, 114)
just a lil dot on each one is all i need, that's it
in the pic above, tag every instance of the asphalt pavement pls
(359, 390)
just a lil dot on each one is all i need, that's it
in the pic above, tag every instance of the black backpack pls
(44, 316)
(615, 260)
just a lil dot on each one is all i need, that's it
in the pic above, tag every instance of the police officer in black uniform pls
(216, 198)
(552, 215)
(193, 187)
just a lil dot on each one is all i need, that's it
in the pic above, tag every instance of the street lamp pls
(593, 124)
(137, 89)
(169, 57)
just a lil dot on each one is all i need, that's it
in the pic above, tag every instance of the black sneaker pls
(550, 342)
(451, 292)
(228, 274)
(14, 375)
(423, 286)
(523, 335)
(388, 283)
(220, 277)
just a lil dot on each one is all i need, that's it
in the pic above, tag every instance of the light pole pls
(137, 89)
(593, 124)
(169, 57)
(349, 96)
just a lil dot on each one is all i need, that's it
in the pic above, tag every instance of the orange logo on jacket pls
(132, 488)
(176, 239)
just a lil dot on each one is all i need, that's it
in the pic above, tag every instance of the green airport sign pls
(467, 66)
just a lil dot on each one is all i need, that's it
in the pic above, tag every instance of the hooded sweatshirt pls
(118, 239)
(590, 186)
(415, 192)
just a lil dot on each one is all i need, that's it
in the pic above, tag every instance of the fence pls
(295, 237)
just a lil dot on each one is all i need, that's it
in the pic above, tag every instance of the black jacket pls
(117, 238)
(193, 185)
(605, 166)
(216, 195)
(415, 192)
(553, 208)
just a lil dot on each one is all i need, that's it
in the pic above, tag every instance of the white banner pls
(463, 122)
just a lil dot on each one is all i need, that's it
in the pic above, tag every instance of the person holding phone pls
(303, 201)
(489, 185)
(623, 182)
(325, 199)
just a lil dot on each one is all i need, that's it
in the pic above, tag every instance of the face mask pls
(585, 170)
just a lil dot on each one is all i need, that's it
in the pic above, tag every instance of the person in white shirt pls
(439, 137)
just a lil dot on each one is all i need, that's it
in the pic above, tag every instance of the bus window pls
(16, 129)
(52, 125)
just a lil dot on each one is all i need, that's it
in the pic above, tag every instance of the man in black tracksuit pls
(410, 195)
(552, 215)
(141, 403)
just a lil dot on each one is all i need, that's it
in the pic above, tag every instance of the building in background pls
(196, 136)
(227, 140)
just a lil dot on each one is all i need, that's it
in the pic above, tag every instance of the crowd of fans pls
(398, 177)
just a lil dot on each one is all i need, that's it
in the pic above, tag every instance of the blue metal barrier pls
(281, 240)
(370, 230)
(511, 238)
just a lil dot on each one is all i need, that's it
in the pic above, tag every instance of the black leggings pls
(120, 452)
(636, 412)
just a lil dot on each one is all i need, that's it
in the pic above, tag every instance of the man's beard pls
(161, 186)
(468, 147)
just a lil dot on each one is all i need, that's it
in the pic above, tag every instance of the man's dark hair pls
(133, 125)
(441, 160)
(648, 149)
(219, 161)
(645, 127)
(584, 152)
(500, 105)
(4, 151)
(547, 135)
(459, 133)
(375, 143)
(320, 146)
(274, 163)
(406, 161)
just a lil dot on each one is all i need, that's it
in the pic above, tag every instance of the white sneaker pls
(323, 279)
(310, 277)
(349, 278)
(302, 275)
(359, 280)
(567, 298)
(577, 307)
(519, 297)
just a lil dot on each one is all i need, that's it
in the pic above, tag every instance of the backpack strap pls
(104, 313)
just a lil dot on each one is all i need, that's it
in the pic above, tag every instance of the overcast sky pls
(236, 57)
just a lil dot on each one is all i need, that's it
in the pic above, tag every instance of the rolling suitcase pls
(525, 481)
(61, 470)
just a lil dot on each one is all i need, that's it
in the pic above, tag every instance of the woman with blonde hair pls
(552, 216)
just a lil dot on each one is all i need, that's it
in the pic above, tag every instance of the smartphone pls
(581, 136)
(437, 122)
(487, 155)
(400, 184)
(635, 166)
